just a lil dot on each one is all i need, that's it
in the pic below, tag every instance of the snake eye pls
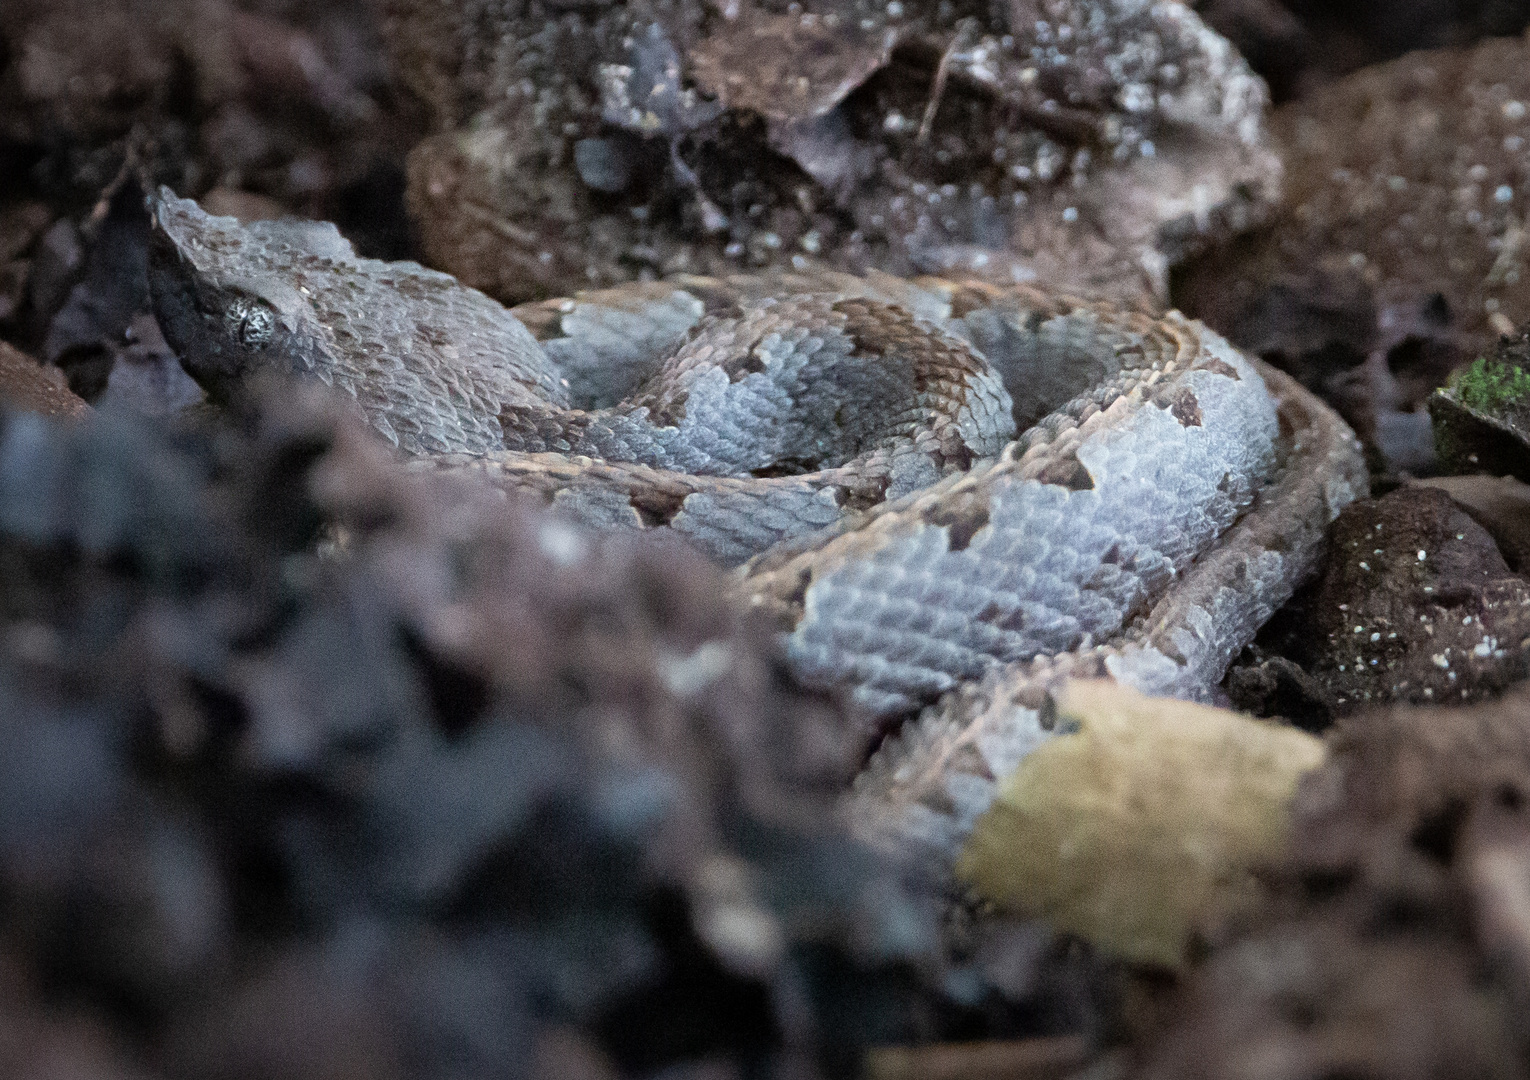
(254, 323)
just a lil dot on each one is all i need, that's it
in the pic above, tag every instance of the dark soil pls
(488, 798)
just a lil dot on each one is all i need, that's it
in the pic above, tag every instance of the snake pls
(948, 497)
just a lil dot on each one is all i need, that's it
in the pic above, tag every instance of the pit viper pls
(949, 496)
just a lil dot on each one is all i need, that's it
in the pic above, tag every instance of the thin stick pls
(957, 42)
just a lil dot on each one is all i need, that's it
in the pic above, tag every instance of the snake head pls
(223, 293)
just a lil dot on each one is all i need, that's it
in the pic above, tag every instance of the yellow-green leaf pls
(1124, 830)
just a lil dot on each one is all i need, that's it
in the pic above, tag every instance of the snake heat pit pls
(950, 496)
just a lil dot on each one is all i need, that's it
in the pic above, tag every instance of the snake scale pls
(950, 496)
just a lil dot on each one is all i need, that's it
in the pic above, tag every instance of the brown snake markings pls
(949, 496)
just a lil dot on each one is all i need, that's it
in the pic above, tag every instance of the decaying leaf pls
(1150, 813)
(788, 67)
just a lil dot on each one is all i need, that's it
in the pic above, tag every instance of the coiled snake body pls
(950, 496)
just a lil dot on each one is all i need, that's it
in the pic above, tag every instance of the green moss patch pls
(1490, 385)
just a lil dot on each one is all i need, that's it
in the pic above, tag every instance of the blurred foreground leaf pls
(1145, 814)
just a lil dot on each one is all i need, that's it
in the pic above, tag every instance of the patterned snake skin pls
(949, 496)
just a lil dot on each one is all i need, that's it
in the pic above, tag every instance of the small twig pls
(958, 42)
(130, 169)
(1509, 252)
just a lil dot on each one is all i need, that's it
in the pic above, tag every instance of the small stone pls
(602, 165)
(1482, 416)
(1438, 587)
